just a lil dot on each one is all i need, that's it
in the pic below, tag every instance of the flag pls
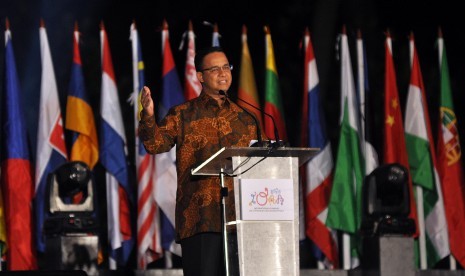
(215, 36)
(17, 182)
(3, 230)
(394, 147)
(344, 210)
(319, 170)
(51, 148)
(450, 162)
(369, 152)
(166, 178)
(273, 103)
(113, 157)
(79, 114)
(148, 218)
(423, 168)
(192, 86)
(247, 87)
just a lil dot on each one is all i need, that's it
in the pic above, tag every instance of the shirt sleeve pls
(158, 138)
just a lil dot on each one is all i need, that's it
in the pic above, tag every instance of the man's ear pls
(200, 76)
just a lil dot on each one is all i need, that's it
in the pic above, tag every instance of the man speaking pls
(199, 128)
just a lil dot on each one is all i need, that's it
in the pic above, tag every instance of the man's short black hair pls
(200, 55)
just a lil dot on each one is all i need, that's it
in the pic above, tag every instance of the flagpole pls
(452, 262)
(421, 224)
(361, 88)
(346, 251)
(168, 259)
(111, 263)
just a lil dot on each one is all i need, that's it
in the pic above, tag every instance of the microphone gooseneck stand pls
(278, 143)
(259, 133)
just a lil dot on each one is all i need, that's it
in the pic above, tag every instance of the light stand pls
(386, 228)
(223, 194)
(71, 229)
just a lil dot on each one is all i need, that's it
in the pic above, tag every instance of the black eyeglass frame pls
(213, 69)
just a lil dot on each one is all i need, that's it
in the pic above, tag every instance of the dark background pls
(287, 21)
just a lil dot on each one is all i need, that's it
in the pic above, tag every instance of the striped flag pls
(215, 36)
(319, 170)
(369, 152)
(346, 196)
(433, 239)
(79, 114)
(16, 179)
(192, 86)
(450, 162)
(247, 86)
(113, 157)
(273, 102)
(166, 178)
(394, 147)
(51, 148)
(148, 218)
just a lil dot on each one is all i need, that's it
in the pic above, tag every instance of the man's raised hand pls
(146, 101)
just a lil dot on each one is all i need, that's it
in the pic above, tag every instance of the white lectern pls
(264, 238)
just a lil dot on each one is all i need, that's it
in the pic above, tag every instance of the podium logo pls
(267, 197)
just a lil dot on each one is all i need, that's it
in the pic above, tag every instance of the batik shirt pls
(198, 128)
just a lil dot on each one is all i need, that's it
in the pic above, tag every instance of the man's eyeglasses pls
(216, 69)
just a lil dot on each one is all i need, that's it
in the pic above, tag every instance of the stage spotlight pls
(71, 225)
(386, 201)
(65, 183)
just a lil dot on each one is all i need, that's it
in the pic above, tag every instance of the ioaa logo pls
(267, 197)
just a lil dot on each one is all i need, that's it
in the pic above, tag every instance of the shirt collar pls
(208, 100)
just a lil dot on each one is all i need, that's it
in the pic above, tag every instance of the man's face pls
(215, 74)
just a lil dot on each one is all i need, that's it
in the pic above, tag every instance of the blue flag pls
(114, 160)
(166, 181)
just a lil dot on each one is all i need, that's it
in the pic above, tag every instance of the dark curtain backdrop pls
(287, 21)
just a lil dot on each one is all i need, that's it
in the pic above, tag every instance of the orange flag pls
(247, 86)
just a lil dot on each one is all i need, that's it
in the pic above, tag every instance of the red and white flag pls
(450, 162)
(319, 170)
(148, 216)
(192, 86)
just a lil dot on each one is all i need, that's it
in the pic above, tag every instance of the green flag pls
(421, 157)
(345, 202)
(273, 103)
(344, 210)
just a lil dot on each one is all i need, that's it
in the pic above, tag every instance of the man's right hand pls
(146, 101)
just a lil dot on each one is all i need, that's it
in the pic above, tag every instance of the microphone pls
(259, 134)
(277, 143)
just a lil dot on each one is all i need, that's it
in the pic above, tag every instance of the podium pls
(264, 238)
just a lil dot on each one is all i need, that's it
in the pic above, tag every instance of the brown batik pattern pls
(199, 128)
